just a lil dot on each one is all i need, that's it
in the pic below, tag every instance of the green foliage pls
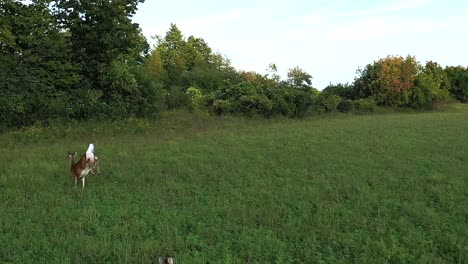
(221, 107)
(298, 101)
(346, 106)
(177, 98)
(253, 105)
(100, 33)
(35, 67)
(260, 96)
(457, 82)
(327, 103)
(121, 91)
(152, 92)
(345, 91)
(155, 67)
(84, 59)
(365, 105)
(69, 59)
(196, 99)
(299, 78)
(427, 87)
(389, 80)
(188, 62)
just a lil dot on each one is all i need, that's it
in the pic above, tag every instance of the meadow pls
(383, 188)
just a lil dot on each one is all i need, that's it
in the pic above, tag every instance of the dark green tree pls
(428, 86)
(345, 91)
(35, 64)
(103, 38)
(457, 82)
(173, 52)
(188, 63)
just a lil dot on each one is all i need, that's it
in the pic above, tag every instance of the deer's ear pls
(75, 154)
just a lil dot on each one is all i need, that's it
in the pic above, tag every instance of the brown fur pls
(78, 170)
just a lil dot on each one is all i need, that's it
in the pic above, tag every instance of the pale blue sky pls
(328, 39)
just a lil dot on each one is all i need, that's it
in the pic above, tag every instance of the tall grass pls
(363, 189)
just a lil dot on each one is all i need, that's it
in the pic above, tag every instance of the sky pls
(328, 39)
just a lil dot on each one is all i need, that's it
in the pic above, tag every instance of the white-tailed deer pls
(87, 163)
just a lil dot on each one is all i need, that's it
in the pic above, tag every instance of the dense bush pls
(388, 80)
(177, 97)
(196, 99)
(221, 107)
(345, 91)
(346, 106)
(327, 103)
(365, 105)
(457, 83)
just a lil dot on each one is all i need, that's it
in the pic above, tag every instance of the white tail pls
(166, 260)
(92, 159)
(87, 163)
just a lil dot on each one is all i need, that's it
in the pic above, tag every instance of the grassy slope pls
(364, 189)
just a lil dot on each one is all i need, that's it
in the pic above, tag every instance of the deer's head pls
(71, 156)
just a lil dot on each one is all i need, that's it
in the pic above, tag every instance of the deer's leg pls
(83, 181)
(97, 166)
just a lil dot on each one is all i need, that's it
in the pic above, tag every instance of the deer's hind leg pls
(97, 166)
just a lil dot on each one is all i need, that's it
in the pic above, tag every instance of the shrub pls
(196, 99)
(252, 105)
(327, 103)
(177, 98)
(346, 91)
(298, 102)
(152, 91)
(346, 106)
(221, 107)
(457, 82)
(365, 105)
(120, 88)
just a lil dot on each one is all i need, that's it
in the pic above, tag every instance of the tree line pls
(86, 59)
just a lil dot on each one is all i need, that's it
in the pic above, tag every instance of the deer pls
(86, 164)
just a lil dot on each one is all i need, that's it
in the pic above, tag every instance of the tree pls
(273, 72)
(172, 49)
(345, 91)
(189, 62)
(388, 80)
(457, 82)
(101, 32)
(35, 66)
(427, 86)
(155, 67)
(299, 78)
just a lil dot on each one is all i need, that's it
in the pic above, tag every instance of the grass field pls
(390, 188)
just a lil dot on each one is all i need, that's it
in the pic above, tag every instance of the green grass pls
(389, 188)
